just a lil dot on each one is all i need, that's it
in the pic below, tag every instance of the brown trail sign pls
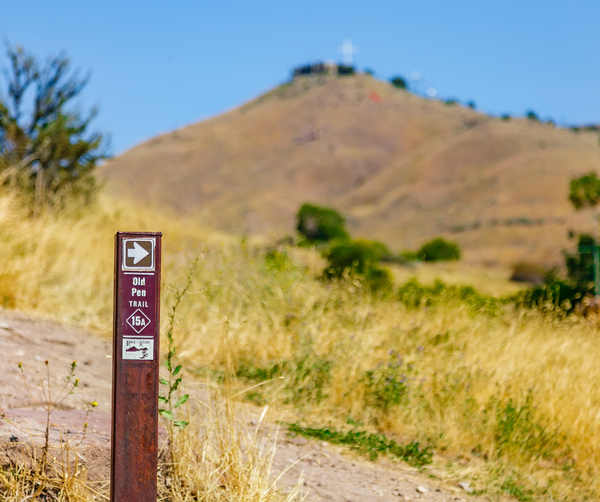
(134, 448)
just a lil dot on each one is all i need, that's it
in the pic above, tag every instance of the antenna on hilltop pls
(348, 50)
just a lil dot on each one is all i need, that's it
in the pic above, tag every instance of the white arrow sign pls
(138, 253)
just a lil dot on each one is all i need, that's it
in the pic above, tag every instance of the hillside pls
(401, 168)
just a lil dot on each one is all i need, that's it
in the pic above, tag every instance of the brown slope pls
(402, 170)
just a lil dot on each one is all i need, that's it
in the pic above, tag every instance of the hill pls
(401, 168)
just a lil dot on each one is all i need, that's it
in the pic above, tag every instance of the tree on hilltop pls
(45, 147)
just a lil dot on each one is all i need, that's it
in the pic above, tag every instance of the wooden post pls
(134, 448)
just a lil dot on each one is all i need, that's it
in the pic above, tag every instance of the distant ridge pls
(401, 168)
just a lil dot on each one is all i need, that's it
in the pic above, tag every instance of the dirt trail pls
(330, 473)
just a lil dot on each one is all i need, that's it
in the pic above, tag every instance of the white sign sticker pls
(139, 350)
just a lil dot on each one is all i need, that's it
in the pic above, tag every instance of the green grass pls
(370, 445)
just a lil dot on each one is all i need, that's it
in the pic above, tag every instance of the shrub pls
(439, 250)
(528, 272)
(320, 224)
(556, 295)
(398, 82)
(358, 257)
(585, 191)
(580, 265)
(345, 70)
(531, 115)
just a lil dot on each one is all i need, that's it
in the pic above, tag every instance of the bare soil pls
(330, 473)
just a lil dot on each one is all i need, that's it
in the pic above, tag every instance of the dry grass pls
(506, 397)
(218, 457)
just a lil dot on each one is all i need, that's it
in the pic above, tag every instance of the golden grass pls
(512, 394)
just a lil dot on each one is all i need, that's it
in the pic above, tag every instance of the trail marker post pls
(134, 447)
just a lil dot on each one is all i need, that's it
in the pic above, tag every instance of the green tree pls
(45, 147)
(320, 224)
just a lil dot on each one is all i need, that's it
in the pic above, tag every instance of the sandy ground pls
(330, 473)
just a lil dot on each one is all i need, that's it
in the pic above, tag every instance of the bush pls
(345, 70)
(556, 295)
(359, 257)
(528, 272)
(580, 265)
(531, 115)
(398, 82)
(356, 256)
(439, 250)
(320, 224)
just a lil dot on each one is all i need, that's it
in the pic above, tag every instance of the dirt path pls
(329, 472)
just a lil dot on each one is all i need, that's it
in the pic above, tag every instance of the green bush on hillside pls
(320, 224)
(439, 250)
(398, 82)
(358, 257)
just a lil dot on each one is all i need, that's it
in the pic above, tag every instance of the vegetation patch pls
(370, 445)
(317, 224)
(439, 249)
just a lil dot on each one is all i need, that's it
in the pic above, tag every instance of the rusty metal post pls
(134, 448)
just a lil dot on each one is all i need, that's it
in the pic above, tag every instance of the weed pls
(510, 487)
(309, 379)
(51, 476)
(519, 432)
(306, 376)
(367, 444)
(387, 385)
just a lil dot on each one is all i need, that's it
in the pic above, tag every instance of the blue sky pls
(159, 65)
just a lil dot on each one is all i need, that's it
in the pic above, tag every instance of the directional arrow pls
(138, 253)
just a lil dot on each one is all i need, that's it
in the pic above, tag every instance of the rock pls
(466, 486)
(422, 489)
